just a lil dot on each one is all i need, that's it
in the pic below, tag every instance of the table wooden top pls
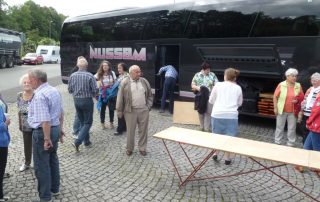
(245, 147)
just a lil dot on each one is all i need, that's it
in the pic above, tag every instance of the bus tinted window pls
(301, 18)
(221, 20)
(129, 27)
(165, 24)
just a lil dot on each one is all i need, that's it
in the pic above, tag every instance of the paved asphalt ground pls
(105, 173)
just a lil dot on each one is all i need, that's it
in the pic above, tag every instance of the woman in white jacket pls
(226, 98)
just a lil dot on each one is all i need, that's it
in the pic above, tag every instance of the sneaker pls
(117, 133)
(4, 199)
(103, 126)
(55, 193)
(161, 111)
(24, 167)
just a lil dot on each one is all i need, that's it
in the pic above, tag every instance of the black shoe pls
(117, 133)
(75, 146)
(88, 145)
(227, 162)
(215, 157)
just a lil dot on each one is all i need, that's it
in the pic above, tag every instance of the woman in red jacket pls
(313, 139)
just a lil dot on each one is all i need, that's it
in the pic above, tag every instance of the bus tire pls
(10, 63)
(3, 62)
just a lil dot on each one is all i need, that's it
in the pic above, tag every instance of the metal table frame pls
(196, 168)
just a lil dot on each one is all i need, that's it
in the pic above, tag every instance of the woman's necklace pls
(27, 96)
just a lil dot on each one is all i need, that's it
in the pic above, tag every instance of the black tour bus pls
(262, 38)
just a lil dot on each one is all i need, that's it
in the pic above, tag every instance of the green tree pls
(3, 5)
(47, 41)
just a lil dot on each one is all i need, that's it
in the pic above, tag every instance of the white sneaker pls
(55, 194)
(24, 167)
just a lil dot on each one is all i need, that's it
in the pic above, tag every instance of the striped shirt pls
(310, 99)
(170, 71)
(82, 84)
(46, 105)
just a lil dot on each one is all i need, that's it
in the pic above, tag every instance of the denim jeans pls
(225, 126)
(84, 108)
(312, 142)
(168, 88)
(76, 124)
(46, 164)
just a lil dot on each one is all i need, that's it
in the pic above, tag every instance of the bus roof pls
(131, 10)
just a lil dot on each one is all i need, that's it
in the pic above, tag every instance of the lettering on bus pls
(125, 53)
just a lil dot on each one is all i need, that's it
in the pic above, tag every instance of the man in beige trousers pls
(134, 101)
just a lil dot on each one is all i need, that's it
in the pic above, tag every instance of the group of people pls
(40, 114)
(217, 102)
(129, 94)
(295, 108)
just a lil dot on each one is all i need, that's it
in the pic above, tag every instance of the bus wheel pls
(10, 63)
(3, 62)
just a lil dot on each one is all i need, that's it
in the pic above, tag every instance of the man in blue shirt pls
(171, 76)
(46, 118)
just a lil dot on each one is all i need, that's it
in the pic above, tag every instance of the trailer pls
(10, 47)
(51, 54)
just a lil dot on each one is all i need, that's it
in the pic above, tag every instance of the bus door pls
(166, 55)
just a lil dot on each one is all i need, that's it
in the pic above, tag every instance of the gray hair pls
(291, 71)
(38, 74)
(22, 78)
(133, 67)
(315, 76)
(82, 63)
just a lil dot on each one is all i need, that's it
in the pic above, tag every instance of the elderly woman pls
(207, 79)
(311, 95)
(122, 70)
(4, 142)
(313, 139)
(287, 96)
(226, 98)
(23, 100)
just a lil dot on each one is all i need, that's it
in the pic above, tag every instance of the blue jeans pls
(312, 142)
(76, 124)
(84, 108)
(169, 85)
(225, 126)
(46, 164)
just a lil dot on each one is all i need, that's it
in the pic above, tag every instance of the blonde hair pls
(231, 74)
(22, 78)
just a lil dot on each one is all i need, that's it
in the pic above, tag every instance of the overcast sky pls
(80, 7)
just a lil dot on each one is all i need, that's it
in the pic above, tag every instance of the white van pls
(51, 54)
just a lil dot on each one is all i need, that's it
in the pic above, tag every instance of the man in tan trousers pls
(134, 101)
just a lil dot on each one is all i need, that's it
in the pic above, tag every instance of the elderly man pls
(134, 101)
(46, 118)
(83, 87)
